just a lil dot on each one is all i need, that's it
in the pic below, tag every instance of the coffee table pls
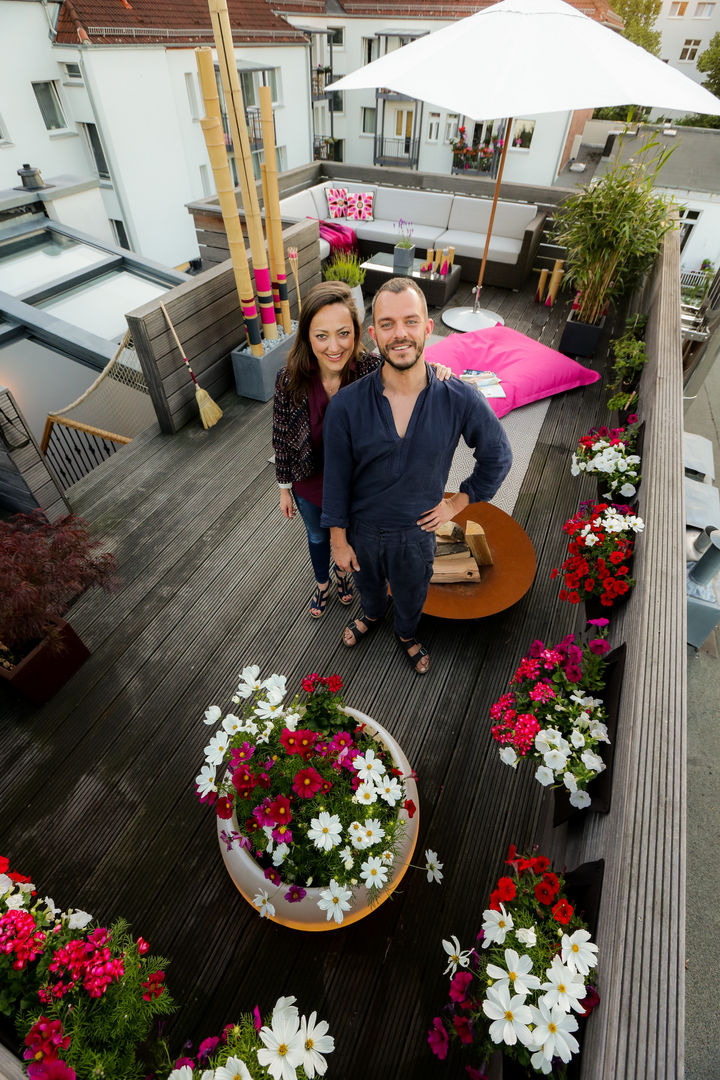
(437, 288)
(500, 585)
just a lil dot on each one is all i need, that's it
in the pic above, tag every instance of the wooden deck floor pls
(96, 788)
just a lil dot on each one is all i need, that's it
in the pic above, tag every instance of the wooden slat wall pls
(26, 481)
(638, 1029)
(206, 315)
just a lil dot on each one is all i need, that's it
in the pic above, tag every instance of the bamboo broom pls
(272, 208)
(236, 115)
(210, 413)
(215, 142)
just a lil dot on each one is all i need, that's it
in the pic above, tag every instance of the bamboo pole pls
(235, 104)
(273, 222)
(554, 285)
(269, 235)
(540, 291)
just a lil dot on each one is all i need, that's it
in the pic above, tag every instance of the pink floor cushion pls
(527, 370)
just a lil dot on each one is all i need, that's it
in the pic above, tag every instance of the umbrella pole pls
(477, 318)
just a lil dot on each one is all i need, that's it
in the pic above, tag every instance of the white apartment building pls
(687, 27)
(89, 89)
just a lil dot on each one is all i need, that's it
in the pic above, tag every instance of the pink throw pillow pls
(528, 371)
(337, 201)
(360, 205)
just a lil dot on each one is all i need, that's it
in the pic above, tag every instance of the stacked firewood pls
(460, 553)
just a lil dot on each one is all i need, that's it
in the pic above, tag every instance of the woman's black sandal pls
(319, 600)
(344, 587)
(406, 646)
(358, 635)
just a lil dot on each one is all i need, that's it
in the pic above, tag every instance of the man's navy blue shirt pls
(375, 477)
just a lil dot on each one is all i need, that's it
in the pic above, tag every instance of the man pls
(389, 443)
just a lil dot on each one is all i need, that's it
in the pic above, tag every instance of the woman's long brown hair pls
(301, 364)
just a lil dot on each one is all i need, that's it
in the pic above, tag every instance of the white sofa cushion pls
(420, 207)
(473, 215)
(382, 232)
(504, 249)
(299, 206)
(512, 219)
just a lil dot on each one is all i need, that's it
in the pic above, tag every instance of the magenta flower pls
(272, 875)
(52, 1069)
(598, 646)
(241, 753)
(257, 1018)
(207, 1046)
(598, 622)
(295, 894)
(458, 986)
(438, 1039)
(475, 1074)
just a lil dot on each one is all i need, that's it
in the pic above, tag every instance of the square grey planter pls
(403, 260)
(255, 375)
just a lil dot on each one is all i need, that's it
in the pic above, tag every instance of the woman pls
(327, 355)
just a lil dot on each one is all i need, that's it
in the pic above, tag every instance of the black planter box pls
(579, 338)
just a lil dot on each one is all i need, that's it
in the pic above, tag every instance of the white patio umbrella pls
(523, 57)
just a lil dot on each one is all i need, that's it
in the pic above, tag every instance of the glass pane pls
(247, 83)
(49, 104)
(32, 263)
(99, 306)
(42, 379)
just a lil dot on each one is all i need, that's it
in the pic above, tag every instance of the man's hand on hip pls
(444, 511)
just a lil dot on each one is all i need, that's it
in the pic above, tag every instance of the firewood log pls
(477, 542)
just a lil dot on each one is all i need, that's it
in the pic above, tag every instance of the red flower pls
(506, 889)
(562, 912)
(589, 1002)
(279, 810)
(574, 597)
(438, 1039)
(290, 741)
(494, 902)
(224, 807)
(143, 946)
(411, 808)
(459, 985)
(44, 1039)
(544, 892)
(307, 783)
(4, 864)
(154, 985)
(540, 864)
(50, 1069)
(462, 1027)
(305, 740)
(552, 881)
(334, 684)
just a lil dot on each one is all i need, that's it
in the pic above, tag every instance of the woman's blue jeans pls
(318, 537)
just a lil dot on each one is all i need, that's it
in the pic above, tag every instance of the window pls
(49, 101)
(368, 121)
(433, 132)
(688, 220)
(72, 71)
(704, 11)
(690, 49)
(336, 36)
(522, 133)
(205, 180)
(452, 122)
(121, 238)
(369, 50)
(247, 82)
(337, 100)
(93, 138)
(192, 95)
(271, 79)
(678, 10)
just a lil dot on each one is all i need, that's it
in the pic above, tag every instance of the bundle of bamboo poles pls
(269, 273)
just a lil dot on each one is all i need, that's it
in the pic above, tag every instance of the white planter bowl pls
(305, 914)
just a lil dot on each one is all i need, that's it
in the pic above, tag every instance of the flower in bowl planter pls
(287, 1047)
(312, 801)
(552, 716)
(525, 986)
(609, 453)
(602, 540)
(83, 996)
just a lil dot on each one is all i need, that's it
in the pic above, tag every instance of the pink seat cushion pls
(528, 370)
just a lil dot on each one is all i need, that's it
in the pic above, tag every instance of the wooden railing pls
(74, 449)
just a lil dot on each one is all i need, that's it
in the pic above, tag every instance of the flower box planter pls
(248, 875)
(403, 260)
(579, 338)
(40, 674)
(637, 449)
(599, 789)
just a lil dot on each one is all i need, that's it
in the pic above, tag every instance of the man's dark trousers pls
(402, 557)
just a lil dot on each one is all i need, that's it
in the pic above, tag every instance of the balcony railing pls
(320, 77)
(397, 151)
(480, 161)
(327, 149)
(253, 123)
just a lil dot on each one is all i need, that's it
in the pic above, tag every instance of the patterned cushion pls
(337, 201)
(360, 205)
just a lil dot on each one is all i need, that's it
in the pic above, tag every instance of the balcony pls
(320, 77)
(396, 151)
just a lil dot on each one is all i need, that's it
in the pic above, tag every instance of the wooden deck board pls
(213, 579)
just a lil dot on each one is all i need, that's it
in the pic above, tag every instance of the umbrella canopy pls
(523, 57)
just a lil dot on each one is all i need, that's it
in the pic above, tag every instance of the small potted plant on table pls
(404, 252)
(345, 266)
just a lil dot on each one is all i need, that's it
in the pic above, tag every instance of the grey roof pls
(694, 164)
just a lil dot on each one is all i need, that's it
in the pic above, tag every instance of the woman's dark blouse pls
(297, 456)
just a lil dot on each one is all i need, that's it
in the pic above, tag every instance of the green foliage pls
(708, 62)
(622, 114)
(613, 230)
(701, 120)
(344, 266)
(630, 357)
(639, 17)
(635, 325)
(695, 294)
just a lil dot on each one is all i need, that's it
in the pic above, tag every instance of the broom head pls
(210, 413)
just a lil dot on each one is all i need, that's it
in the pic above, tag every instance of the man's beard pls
(419, 350)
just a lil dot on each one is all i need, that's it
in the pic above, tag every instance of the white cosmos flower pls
(216, 749)
(552, 1031)
(249, 683)
(268, 710)
(526, 935)
(262, 903)
(78, 919)
(578, 952)
(387, 857)
(368, 766)
(325, 831)
(508, 756)
(540, 1063)
(517, 979)
(373, 873)
(183, 1073)
(374, 831)
(212, 714)
(250, 727)
(510, 1017)
(291, 720)
(233, 1069)
(580, 800)
(433, 866)
(544, 776)
(347, 857)
(358, 839)
(366, 794)
(316, 1042)
(276, 684)
(206, 780)
(456, 954)
(334, 900)
(564, 987)
(496, 926)
(232, 724)
(49, 904)
(390, 789)
(280, 854)
(283, 1045)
